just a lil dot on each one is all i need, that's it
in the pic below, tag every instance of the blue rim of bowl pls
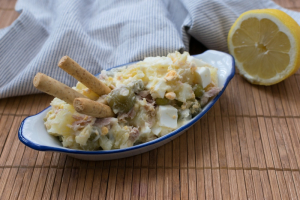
(114, 151)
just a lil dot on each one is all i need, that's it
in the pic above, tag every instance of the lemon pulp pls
(265, 45)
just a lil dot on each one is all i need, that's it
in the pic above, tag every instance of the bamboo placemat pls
(247, 146)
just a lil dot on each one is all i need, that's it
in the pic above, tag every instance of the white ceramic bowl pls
(33, 134)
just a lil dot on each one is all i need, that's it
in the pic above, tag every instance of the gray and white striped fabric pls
(102, 34)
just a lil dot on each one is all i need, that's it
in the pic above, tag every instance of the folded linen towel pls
(102, 34)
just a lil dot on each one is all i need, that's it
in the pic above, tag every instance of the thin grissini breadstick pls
(55, 88)
(83, 76)
(92, 108)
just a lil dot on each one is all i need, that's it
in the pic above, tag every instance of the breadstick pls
(92, 108)
(83, 76)
(55, 88)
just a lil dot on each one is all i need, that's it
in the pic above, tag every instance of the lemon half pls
(265, 44)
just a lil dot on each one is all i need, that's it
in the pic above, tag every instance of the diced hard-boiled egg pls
(167, 116)
(156, 130)
(185, 92)
(196, 61)
(158, 88)
(202, 76)
(145, 129)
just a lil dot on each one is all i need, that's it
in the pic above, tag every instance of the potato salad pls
(149, 99)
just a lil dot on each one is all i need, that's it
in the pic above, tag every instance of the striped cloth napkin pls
(102, 34)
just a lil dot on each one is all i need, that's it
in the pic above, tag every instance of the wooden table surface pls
(249, 149)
